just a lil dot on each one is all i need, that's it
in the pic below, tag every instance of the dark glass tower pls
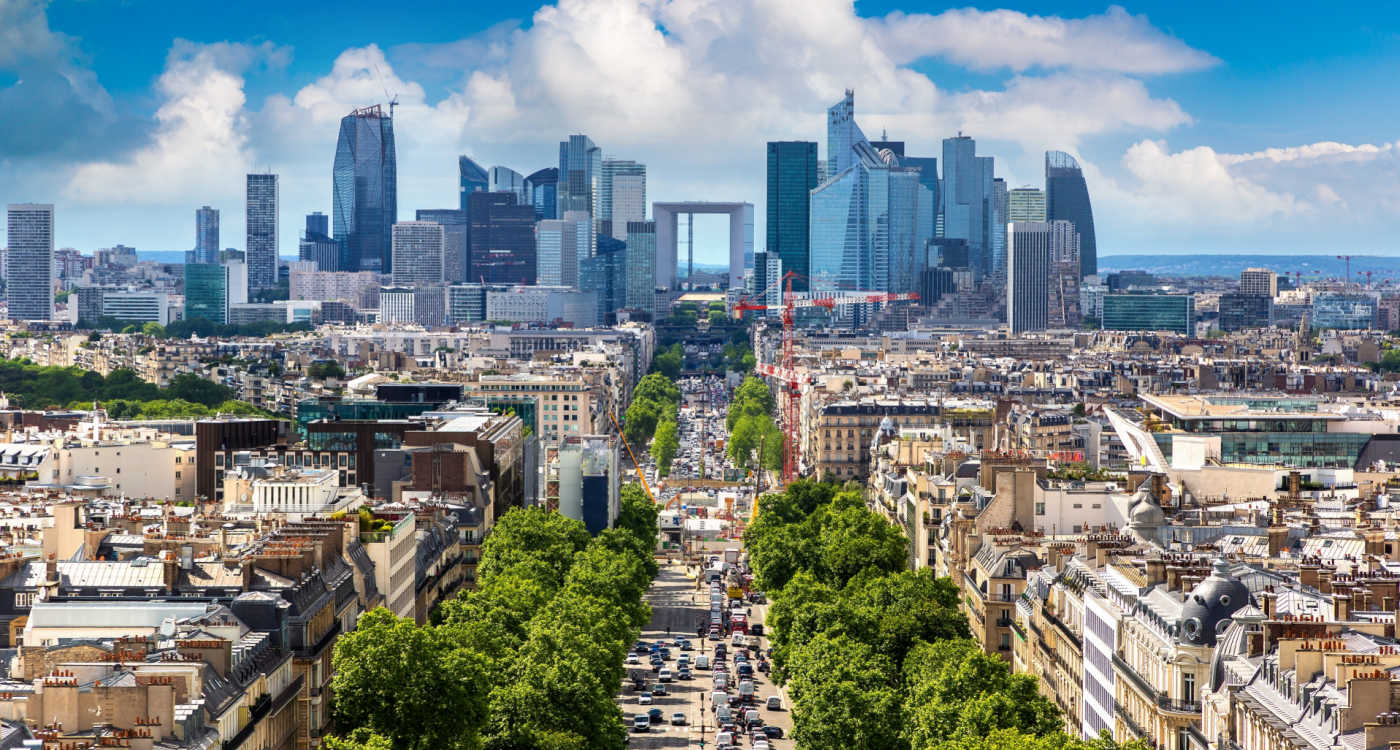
(792, 173)
(1067, 199)
(501, 234)
(543, 189)
(473, 179)
(365, 193)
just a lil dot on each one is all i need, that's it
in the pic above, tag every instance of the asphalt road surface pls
(676, 603)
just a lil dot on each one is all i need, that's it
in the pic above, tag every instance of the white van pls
(702, 661)
(719, 698)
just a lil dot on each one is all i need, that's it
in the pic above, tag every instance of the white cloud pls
(1197, 185)
(990, 40)
(200, 143)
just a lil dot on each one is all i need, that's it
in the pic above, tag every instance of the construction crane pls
(1346, 258)
(640, 474)
(785, 373)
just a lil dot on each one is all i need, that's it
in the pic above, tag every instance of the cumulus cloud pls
(1197, 185)
(200, 142)
(989, 40)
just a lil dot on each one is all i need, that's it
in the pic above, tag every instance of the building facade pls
(1026, 204)
(501, 237)
(29, 272)
(206, 235)
(1067, 199)
(1028, 277)
(456, 262)
(418, 253)
(1149, 312)
(365, 190)
(624, 195)
(261, 250)
(792, 174)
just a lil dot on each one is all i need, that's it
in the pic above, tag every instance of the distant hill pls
(1311, 266)
(177, 256)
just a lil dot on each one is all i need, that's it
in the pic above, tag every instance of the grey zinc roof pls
(111, 614)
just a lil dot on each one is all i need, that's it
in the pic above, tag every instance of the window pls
(1188, 688)
(24, 599)
(1040, 509)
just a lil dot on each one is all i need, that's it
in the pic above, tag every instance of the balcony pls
(1063, 628)
(1133, 727)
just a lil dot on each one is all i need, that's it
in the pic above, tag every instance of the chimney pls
(1278, 539)
(1307, 574)
(1341, 607)
(1156, 571)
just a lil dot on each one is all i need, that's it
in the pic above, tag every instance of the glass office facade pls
(365, 181)
(313, 410)
(792, 174)
(1067, 199)
(471, 178)
(1345, 311)
(1149, 312)
(206, 292)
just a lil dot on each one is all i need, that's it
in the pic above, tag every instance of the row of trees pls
(33, 387)
(752, 432)
(651, 418)
(876, 655)
(183, 329)
(531, 659)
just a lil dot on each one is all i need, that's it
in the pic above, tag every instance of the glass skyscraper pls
(640, 292)
(261, 250)
(624, 195)
(792, 174)
(580, 179)
(472, 178)
(29, 271)
(966, 199)
(865, 228)
(365, 202)
(501, 239)
(542, 188)
(206, 235)
(1067, 199)
(317, 245)
(456, 266)
(206, 292)
(507, 180)
(605, 274)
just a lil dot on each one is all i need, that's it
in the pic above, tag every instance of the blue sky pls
(1203, 127)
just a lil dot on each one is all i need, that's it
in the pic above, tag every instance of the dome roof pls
(1143, 510)
(1206, 613)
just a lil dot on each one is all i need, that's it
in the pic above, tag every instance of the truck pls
(731, 555)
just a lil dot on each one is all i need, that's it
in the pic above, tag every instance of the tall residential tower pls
(29, 271)
(261, 223)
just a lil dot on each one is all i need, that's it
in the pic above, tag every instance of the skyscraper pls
(365, 203)
(417, 249)
(560, 249)
(580, 178)
(1026, 204)
(640, 291)
(29, 268)
(501, 237)
(792, 174)
(473, 179)
(507, 180)
(1067, 199)
(261, 222)
(605, 275)
(865, 224)
(965, 199)
(542, 188)
(206, 235)
(318, 223)
(1027, 277)
(317, 245)
(1259, 281)
(456, 264)
(997, 208)
(624, 195)
(1064, 307)
(207, 292)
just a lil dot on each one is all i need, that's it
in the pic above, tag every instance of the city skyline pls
(1148, 99)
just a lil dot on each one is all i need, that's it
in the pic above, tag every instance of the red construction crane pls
(785, 373)
(1346, 258)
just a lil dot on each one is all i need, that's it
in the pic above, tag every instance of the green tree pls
(844, 695)
(638, 515)
(716, 317)
(360, 739)
(525, 534)
(409, 684)
(657, 387)
(325, 369)
(855, 539)
(153, 330)
(955, 689)
(664, 446)
(641, 420)
(670, 362)
(191, 387)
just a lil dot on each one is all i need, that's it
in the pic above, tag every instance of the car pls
(683, 674)
(641, 723)
(761, 745)
(633, 659)
(714, 634)
(745, 670)
(664, 675)
(665, 653)
(655, 715)
(644, 699)
(656, 665)
(774, 733)
(684, 644)
(775, 703)
(660, 690)
(678, 719)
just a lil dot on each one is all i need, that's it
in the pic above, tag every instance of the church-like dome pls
(1206, 613)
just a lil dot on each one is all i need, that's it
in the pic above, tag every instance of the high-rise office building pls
(456, 262)
(560, 248)
(866, 232)
(317, 245)
(1067, 199)
(365, 202)
(792, 174)
(501, 237)
(1027, 277)
(206, 235)
(1240, 310)
(542, 189)
(640, 293)
(1259, 281)
(605, 275)
(466, 303)
(997, 208)
(1026, 204)
(507, 180)
(261, 222)
(580, 178)
(472, 178)
(766, 280)
(624, 195)
(1064, 279)
(417, 249)
(1150, 312)
(29, 272)
(207, 292)
(966, 198)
